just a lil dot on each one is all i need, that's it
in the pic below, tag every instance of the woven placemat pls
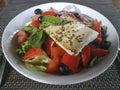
(109, 80)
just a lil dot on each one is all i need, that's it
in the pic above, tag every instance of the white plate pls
(87, 74)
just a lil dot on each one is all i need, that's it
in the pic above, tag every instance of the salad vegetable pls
(86, 55)
(24, 47)
(93, 61)
(35, 67)
(42, 50)
(96, 26)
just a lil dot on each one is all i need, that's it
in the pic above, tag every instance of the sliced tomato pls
(48, 44)
(86, 55)
(50, 12)
(99, 52)
(97, 27)
(21, 36)
(56, 52)
(53, 65)
(32, 53)
(36, 23)
(72, 62)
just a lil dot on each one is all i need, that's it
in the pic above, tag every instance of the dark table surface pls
(109, 80)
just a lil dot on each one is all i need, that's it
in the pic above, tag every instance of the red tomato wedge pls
(97, 27)
(99, 52)
(32, 53)
(56, 52)
(48, 44)
(86, 55)
(72, 62)
(53, 65)
(21, 36)
(35, 23)
(50, 12)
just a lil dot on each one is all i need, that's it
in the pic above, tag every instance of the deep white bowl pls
(86, 74)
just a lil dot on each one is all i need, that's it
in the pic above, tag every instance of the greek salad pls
(61, 42)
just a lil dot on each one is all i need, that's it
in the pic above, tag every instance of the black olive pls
(38, 11)
(105, 44)
(63, 69)
(76, 15)
(40, 19)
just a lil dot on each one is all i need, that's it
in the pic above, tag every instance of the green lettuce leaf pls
(23, 48)
(35, 67)
(48, 20)
(36, 36)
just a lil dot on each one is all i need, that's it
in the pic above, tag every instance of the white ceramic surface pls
(87, 74)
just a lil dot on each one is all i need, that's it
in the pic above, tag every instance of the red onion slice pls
(71, 8)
